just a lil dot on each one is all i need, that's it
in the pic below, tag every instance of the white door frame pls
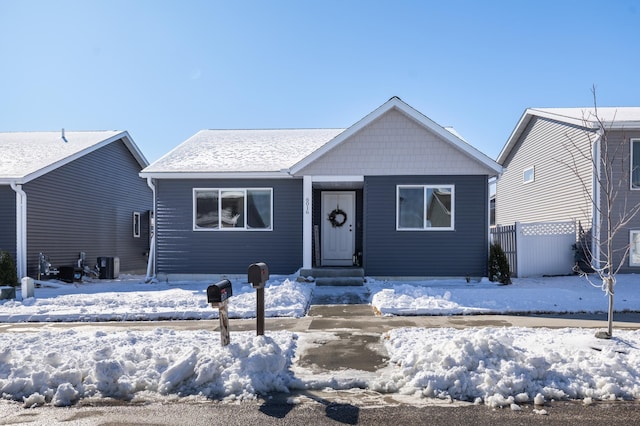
(337, 244)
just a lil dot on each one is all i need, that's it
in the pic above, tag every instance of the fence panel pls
(506, 237)
(545, 248)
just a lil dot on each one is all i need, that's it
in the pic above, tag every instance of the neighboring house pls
(395, 193)
(538, 186)
(63, 193)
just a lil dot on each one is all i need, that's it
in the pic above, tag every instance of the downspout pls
(595, 235)
(152, 250)
(21, 230)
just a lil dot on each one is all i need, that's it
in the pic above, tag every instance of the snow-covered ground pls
(495, 366)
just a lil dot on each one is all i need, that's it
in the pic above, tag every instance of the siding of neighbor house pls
(461, 252)
(8, 220)
(181, 250)
(619, 140)
(87, 206)
(555, 194)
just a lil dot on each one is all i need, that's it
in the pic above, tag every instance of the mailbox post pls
(258, 274)
(217, 295)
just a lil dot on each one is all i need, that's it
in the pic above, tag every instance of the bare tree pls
(606, 195)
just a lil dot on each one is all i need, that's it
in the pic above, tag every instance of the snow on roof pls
(26, 155)
(586, 117)
(216, 151)
(619, 115)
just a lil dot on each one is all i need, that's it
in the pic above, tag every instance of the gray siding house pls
(66, 193)
(395, 194)
(540, 160)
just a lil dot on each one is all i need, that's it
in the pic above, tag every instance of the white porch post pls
(21, 230)
(307, 222)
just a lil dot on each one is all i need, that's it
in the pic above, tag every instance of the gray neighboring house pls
(395, 194)
(62, 193)
(536, 187)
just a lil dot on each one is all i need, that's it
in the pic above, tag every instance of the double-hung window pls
(249, 209)
(635, 164)
(425, 207)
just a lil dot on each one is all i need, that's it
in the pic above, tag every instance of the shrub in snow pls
(8, 274)
(498, 265)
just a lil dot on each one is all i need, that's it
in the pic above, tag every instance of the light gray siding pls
(461, 252)
(391, 143)
(556, 193)
(8, 220)
(87, 206)
(181, 250)
(619, 150)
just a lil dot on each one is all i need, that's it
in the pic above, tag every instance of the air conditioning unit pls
(109, 267)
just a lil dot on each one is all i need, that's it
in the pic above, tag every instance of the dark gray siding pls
(87, 205)
(180, 250)
(463, 251)
(8, 220)
(626, 198)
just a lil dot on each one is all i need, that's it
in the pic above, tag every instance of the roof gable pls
(445, 135)
(610, 117)
(28, 155)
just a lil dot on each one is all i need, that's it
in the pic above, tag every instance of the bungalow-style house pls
(66, 193)
(395, 195)
(549, 174)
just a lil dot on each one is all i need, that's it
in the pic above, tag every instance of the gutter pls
(152, 250)
(21, 229)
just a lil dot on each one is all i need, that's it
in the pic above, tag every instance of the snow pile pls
(503, 366)
(130, 299)
(62, 367)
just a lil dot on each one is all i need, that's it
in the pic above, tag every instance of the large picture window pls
(635, 163)
(233, 209)
(425, 207)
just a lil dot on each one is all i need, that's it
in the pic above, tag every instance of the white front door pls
(338, 228)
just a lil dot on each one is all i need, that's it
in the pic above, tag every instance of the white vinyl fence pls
(537, 249)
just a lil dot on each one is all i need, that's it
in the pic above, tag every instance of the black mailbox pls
(258, 274)
(219, 292)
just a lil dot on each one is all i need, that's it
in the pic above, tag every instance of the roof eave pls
(215, 175)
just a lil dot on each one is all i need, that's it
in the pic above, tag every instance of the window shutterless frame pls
(232, 209)
(634, 248)
(529, 174)
(425, 207)
(136, 224)
(634, 166)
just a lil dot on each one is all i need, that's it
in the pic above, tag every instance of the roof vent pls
(63, 136)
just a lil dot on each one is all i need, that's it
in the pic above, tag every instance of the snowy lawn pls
(494, 366)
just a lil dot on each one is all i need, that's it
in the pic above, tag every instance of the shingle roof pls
(219, 151)
(26, 155)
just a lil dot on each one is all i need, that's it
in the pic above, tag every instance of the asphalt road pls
(317, 411)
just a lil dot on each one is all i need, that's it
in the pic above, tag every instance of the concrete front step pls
(332, 272)
(340, 281)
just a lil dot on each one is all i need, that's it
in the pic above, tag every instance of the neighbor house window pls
(136, 224)
(528, 175)
(635, 163)
(232, 209)
(634, 248)
(425, 207)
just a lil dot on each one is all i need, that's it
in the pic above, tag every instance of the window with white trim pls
(248, 209)
(635, 163)
(425, 207)
(136, 224)
(634, 248)
(528, 175)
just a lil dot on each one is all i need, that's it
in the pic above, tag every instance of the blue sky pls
(165, 69)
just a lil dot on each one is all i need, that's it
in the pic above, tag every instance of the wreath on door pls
(337, 217)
